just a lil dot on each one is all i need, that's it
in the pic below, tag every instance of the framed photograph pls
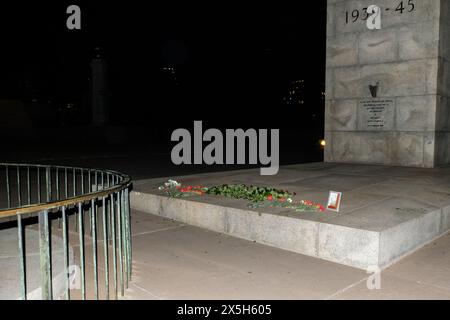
(334, 201)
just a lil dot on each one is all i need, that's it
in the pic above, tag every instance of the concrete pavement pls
(172, 260)
(176, 261)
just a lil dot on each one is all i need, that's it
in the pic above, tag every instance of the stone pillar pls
(388, 90)
(100, 94)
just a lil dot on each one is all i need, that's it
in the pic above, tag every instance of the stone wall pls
(443, 102)
(407, 123)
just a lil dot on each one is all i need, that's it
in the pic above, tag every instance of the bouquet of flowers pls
(258, 196)
(174, 189)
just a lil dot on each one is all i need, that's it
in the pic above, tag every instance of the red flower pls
(269, 197)
(282, 199)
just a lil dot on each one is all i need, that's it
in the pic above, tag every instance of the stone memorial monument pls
(388, 88)
(100, 93)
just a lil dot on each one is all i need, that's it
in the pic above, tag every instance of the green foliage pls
(251, 193)
(176, 193)
(258, 196)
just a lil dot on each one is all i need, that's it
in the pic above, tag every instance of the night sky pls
(224, 63)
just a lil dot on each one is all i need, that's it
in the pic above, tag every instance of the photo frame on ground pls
(334, 201)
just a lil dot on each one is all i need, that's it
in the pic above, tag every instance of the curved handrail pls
(72, 196)
(8, 212)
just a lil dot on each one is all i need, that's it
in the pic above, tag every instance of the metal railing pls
(61, 194)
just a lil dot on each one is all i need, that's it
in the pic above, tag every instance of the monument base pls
(386, 212)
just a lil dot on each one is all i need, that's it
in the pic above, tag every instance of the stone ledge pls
(350, 246)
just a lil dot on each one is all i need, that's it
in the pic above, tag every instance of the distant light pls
(323, 143)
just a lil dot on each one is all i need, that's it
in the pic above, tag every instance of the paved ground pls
(9, 264)
(176, 261)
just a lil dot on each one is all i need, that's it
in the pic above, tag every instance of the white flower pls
(289, 200)
(173, 183)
